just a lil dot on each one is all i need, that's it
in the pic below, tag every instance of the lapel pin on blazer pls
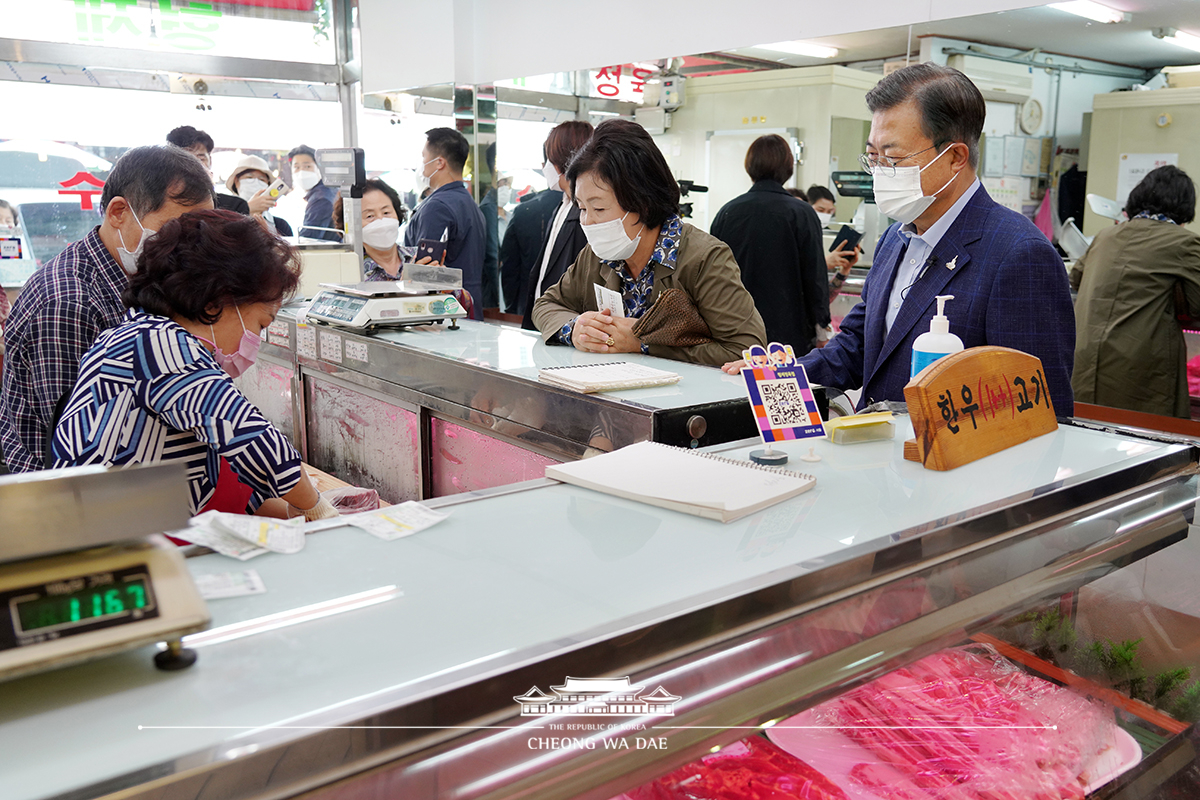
(952, 263)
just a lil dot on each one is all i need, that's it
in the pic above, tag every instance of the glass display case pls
(550, 641)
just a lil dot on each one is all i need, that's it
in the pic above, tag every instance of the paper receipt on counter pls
(242, 536)
(219, 585)
(396, 522)
(219, 541)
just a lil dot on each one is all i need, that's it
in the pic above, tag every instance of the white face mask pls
(381, 233)
(900, 196)
(504, 195)
(129, 258)
(306, 179)
(609, 240)
(824, 218)
(422, 178)
(248, 187)
(551, 176)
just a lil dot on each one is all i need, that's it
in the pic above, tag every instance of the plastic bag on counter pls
(962, 724)
(752, 769)
(352, 499)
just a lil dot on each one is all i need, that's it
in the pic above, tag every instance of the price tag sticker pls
(331, 347)
(10, 247)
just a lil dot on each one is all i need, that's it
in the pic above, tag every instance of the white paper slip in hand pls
(608, 299)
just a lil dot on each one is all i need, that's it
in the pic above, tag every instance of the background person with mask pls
(777, 243)
(839, 261)
(159, 386)
(563, 240)
(250, 179)
(382, 215)
(522, 243)
(318, 198)
(201, 145)
(1130, 351)
(638, 246)
(449, 214)
(1009, 285)
(70, 300)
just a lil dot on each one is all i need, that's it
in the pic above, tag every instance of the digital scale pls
(384, 304)
(84, 573)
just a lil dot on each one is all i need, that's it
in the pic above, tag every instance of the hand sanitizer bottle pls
(938, 342)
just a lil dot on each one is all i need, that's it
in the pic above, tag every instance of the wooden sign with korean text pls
(974, 403)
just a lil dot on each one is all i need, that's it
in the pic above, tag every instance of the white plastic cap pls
(940, 324)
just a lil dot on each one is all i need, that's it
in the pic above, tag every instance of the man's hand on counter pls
(734, 367)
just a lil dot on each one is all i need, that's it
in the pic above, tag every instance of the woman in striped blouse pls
(160, 386)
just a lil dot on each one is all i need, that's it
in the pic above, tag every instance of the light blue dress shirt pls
(917, 253)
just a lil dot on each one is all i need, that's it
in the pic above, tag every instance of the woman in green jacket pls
(1129, 346)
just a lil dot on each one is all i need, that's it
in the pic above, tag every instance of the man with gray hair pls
(70, 300)
(1009, 284)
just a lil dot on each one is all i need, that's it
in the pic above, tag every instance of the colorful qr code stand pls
(781, 398)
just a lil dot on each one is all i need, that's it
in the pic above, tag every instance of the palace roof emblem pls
(603, 697)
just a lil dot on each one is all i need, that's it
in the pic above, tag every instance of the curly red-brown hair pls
(204, 261)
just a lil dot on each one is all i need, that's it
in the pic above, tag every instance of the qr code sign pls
(783, 403)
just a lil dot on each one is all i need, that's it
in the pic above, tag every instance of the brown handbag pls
(673, 321)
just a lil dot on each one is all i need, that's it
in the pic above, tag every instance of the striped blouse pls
(149, 391)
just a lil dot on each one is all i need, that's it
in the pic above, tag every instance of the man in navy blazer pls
(1010, 286)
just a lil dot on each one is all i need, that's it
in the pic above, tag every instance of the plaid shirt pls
(59, 313)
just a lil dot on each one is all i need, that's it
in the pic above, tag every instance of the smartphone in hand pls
(433, 248)
(848, 235)
(278, 189)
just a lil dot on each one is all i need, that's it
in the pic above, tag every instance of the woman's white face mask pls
(900, 196)
(609, 240)
(248, 187)
(381, 233)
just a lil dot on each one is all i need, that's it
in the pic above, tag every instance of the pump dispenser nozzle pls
(941, 323)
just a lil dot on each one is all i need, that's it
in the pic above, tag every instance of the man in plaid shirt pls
(70, 300)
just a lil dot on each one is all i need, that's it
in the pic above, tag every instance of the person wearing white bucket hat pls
(249, 180)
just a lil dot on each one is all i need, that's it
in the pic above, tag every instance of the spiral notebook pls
(608, 377)
(704, 484)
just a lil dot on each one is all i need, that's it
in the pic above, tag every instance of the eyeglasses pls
(886, 165)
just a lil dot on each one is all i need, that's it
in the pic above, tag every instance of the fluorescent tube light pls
(1092, 10)
(1189, 40)
(801, 49)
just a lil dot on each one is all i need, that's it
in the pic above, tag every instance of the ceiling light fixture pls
(801, 49)
(1189, 40)
(1092, 10)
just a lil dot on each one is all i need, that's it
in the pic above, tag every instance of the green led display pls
(83, 606)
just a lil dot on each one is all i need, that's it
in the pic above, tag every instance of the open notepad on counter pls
(606, 377)
(703, 484)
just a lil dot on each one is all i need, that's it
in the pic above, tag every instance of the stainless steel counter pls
(411, 694)
(429, 411)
